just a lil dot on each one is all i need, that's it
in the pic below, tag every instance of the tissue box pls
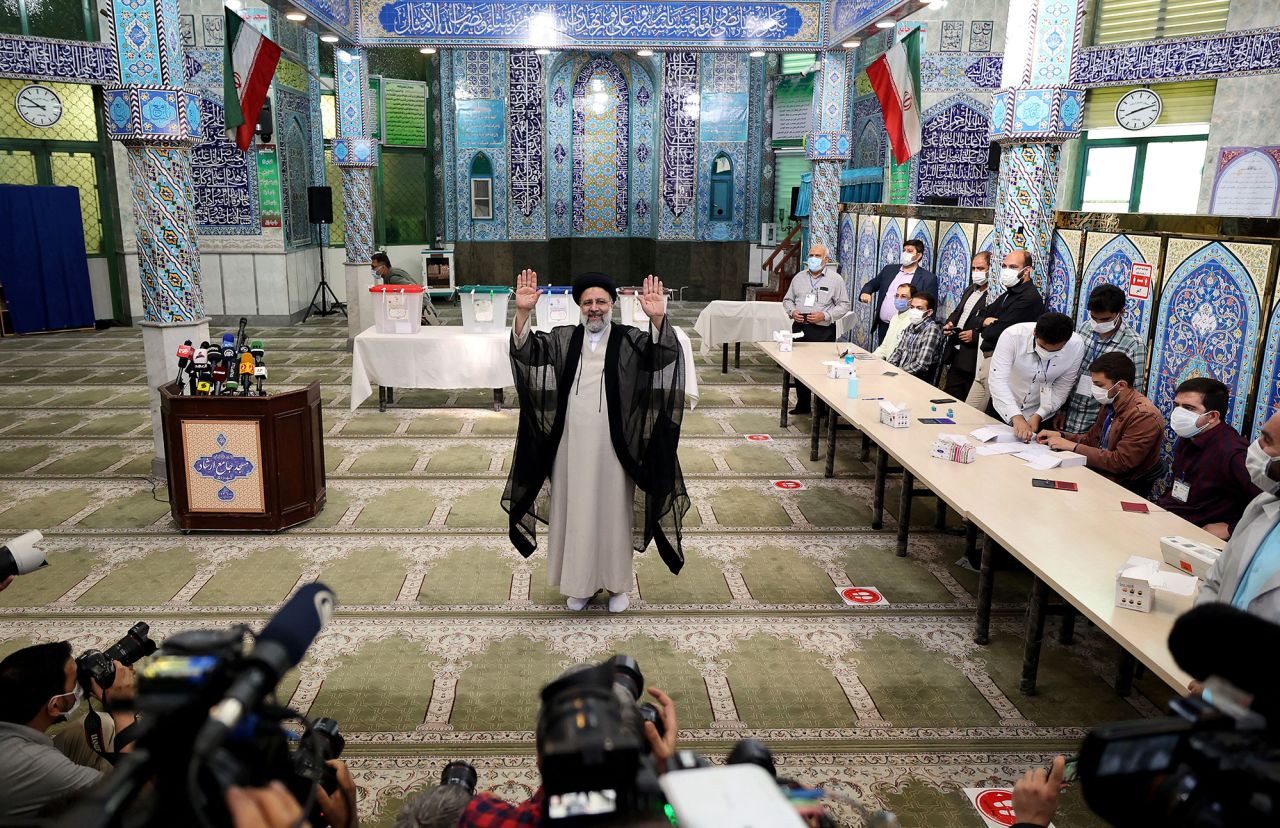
(895, 416)
(1134, 593)
(838, 370)
(1188, 556)
(955, 448)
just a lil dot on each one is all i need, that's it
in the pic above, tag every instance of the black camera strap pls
(93, 734)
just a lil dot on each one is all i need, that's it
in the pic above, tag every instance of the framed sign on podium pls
(243, 463)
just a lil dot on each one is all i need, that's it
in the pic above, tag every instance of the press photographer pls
(40, 687)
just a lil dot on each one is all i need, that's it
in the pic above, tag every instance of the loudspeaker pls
(264, 129)
(320, 205)
(993, 157)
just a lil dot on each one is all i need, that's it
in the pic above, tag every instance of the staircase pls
(783, 264)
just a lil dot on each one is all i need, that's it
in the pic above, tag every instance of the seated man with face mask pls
(815, 300)
(901, 303)
(1247, 573)
(920, 346)
(1211, 485)
(1124, 441)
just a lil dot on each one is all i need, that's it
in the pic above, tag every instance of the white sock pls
(619, 602)
(578, 604)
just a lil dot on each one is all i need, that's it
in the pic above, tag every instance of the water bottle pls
(853, 387)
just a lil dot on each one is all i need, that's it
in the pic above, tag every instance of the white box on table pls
(895, 416)
(1134, 593)
(785, 340)
(955, 448)
(484, 307)
(397, 309)
(556, 307)
(1188, 555)
(631, 309)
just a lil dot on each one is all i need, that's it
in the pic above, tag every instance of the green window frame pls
(1139, 161)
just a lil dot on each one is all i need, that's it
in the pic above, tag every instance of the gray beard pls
(595, 325)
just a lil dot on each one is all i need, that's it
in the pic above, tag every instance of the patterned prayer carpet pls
(445, 634)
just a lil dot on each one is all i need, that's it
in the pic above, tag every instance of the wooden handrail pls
(788, 247)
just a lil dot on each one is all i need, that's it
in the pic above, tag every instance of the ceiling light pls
(542, 51)
(886, 23)
(645, 53)
(427, 50)
(329, 38)
(852, 44)
(758, 53)
(295, 16)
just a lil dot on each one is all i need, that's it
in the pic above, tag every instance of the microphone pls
(230, 387)
(20, 555)
(200, 370)
(1219, 640)
(246, 372)
(259, 364)
(279, 648)
(241, 334)
(185, 352)
(219, 377)
(228, 348)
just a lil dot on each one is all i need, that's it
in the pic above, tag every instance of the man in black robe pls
(595, 458)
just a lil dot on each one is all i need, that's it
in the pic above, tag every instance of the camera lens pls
(649, 712)
(135, 645)
(460, 773)
(753, 752)
(627, 675)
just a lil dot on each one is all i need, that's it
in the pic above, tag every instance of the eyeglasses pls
(604, 303)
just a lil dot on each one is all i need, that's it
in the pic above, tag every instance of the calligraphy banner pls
(1247, 182)
(69, 61)
(712, 24)
(337, 13)
(1246, 52)
(404, 106)
(269, 186)
(952, 162)
(724, 116)
(792, 101)
(850, 17)
(480, 123)
(224, 466)
(224, 186)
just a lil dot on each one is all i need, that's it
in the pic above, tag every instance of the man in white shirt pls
(903, 295)
(1033, 369)
(816, 299)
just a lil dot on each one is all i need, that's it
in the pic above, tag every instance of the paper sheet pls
(1148, 569)
(996, 433)
(989, 449)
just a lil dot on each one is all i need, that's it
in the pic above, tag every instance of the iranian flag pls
(895, 76)
(248, 63)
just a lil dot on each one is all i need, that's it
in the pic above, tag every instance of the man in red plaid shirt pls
(489, 811)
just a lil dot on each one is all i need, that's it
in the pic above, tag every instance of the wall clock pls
(1138, 109)
(39, 105)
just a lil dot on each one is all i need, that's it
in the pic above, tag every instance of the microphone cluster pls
(233, 367)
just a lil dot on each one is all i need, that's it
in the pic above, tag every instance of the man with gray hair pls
(439, 806)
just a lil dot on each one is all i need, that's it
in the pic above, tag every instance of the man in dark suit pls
(1020, 302)
(882, 289)
(963, 328)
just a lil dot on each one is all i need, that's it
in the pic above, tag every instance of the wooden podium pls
(243, 463)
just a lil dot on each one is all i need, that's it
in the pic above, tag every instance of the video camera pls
(1216, 761)
(209, 720)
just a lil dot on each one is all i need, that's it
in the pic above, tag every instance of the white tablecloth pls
(447, 357)
(723, 322)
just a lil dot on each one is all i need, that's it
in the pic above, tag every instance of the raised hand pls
(653, 300)
(527, 292)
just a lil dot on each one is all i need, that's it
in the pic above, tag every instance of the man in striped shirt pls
(1103, 332)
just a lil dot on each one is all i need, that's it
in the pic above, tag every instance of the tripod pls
(323, 291)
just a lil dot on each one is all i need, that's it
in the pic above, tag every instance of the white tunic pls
(591, 510)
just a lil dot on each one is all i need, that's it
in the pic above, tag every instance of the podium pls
(239, 464)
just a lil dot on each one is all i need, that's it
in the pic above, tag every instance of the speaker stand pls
(320, 304)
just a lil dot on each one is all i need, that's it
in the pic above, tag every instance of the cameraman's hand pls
(662, 746)
(1035, 796)
(269, 807)
(4, 583)
(124, 688)
(339, 810)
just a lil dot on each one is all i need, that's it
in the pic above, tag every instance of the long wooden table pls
(1072, 542)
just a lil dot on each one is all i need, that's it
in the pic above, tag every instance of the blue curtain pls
(42, 261)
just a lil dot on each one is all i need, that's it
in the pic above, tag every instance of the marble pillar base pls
(359, 278)
(160, 343)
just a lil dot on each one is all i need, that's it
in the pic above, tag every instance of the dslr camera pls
(100, 665)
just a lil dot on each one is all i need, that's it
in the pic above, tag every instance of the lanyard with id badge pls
(1181, 491)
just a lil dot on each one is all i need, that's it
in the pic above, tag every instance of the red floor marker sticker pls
(758, 438)
(789, 485)
(863, 596)
(994, 805)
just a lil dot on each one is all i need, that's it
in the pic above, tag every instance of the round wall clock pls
(1138, 109)
(39, 105)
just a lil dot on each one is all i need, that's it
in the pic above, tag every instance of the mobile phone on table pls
(942, 401)
(1061, 485)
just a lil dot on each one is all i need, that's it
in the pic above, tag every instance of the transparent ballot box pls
(484, 307)
(397, 309)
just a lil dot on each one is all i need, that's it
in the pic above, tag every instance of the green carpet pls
(444, 634)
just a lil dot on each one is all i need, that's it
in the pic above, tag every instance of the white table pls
(447, 357)
(723, 322)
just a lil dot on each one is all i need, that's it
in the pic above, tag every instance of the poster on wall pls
(1247, 182)
(724, 116)
(899, 183)
(404, 106)
(268, 185)
(791, 103)
(480, 123)
(953, 156)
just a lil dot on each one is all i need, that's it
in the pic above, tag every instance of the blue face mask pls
(901, 304)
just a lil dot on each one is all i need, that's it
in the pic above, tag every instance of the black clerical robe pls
(644, 391)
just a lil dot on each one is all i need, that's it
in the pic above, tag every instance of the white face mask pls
(915, 315)
(1257, 462)
(979, 277)
(815, 263)
(78, 693)
(1102, 395)
(1010, 276)
(1044, 353)
(1105, 327)
(908, 257)
(1183, 423)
